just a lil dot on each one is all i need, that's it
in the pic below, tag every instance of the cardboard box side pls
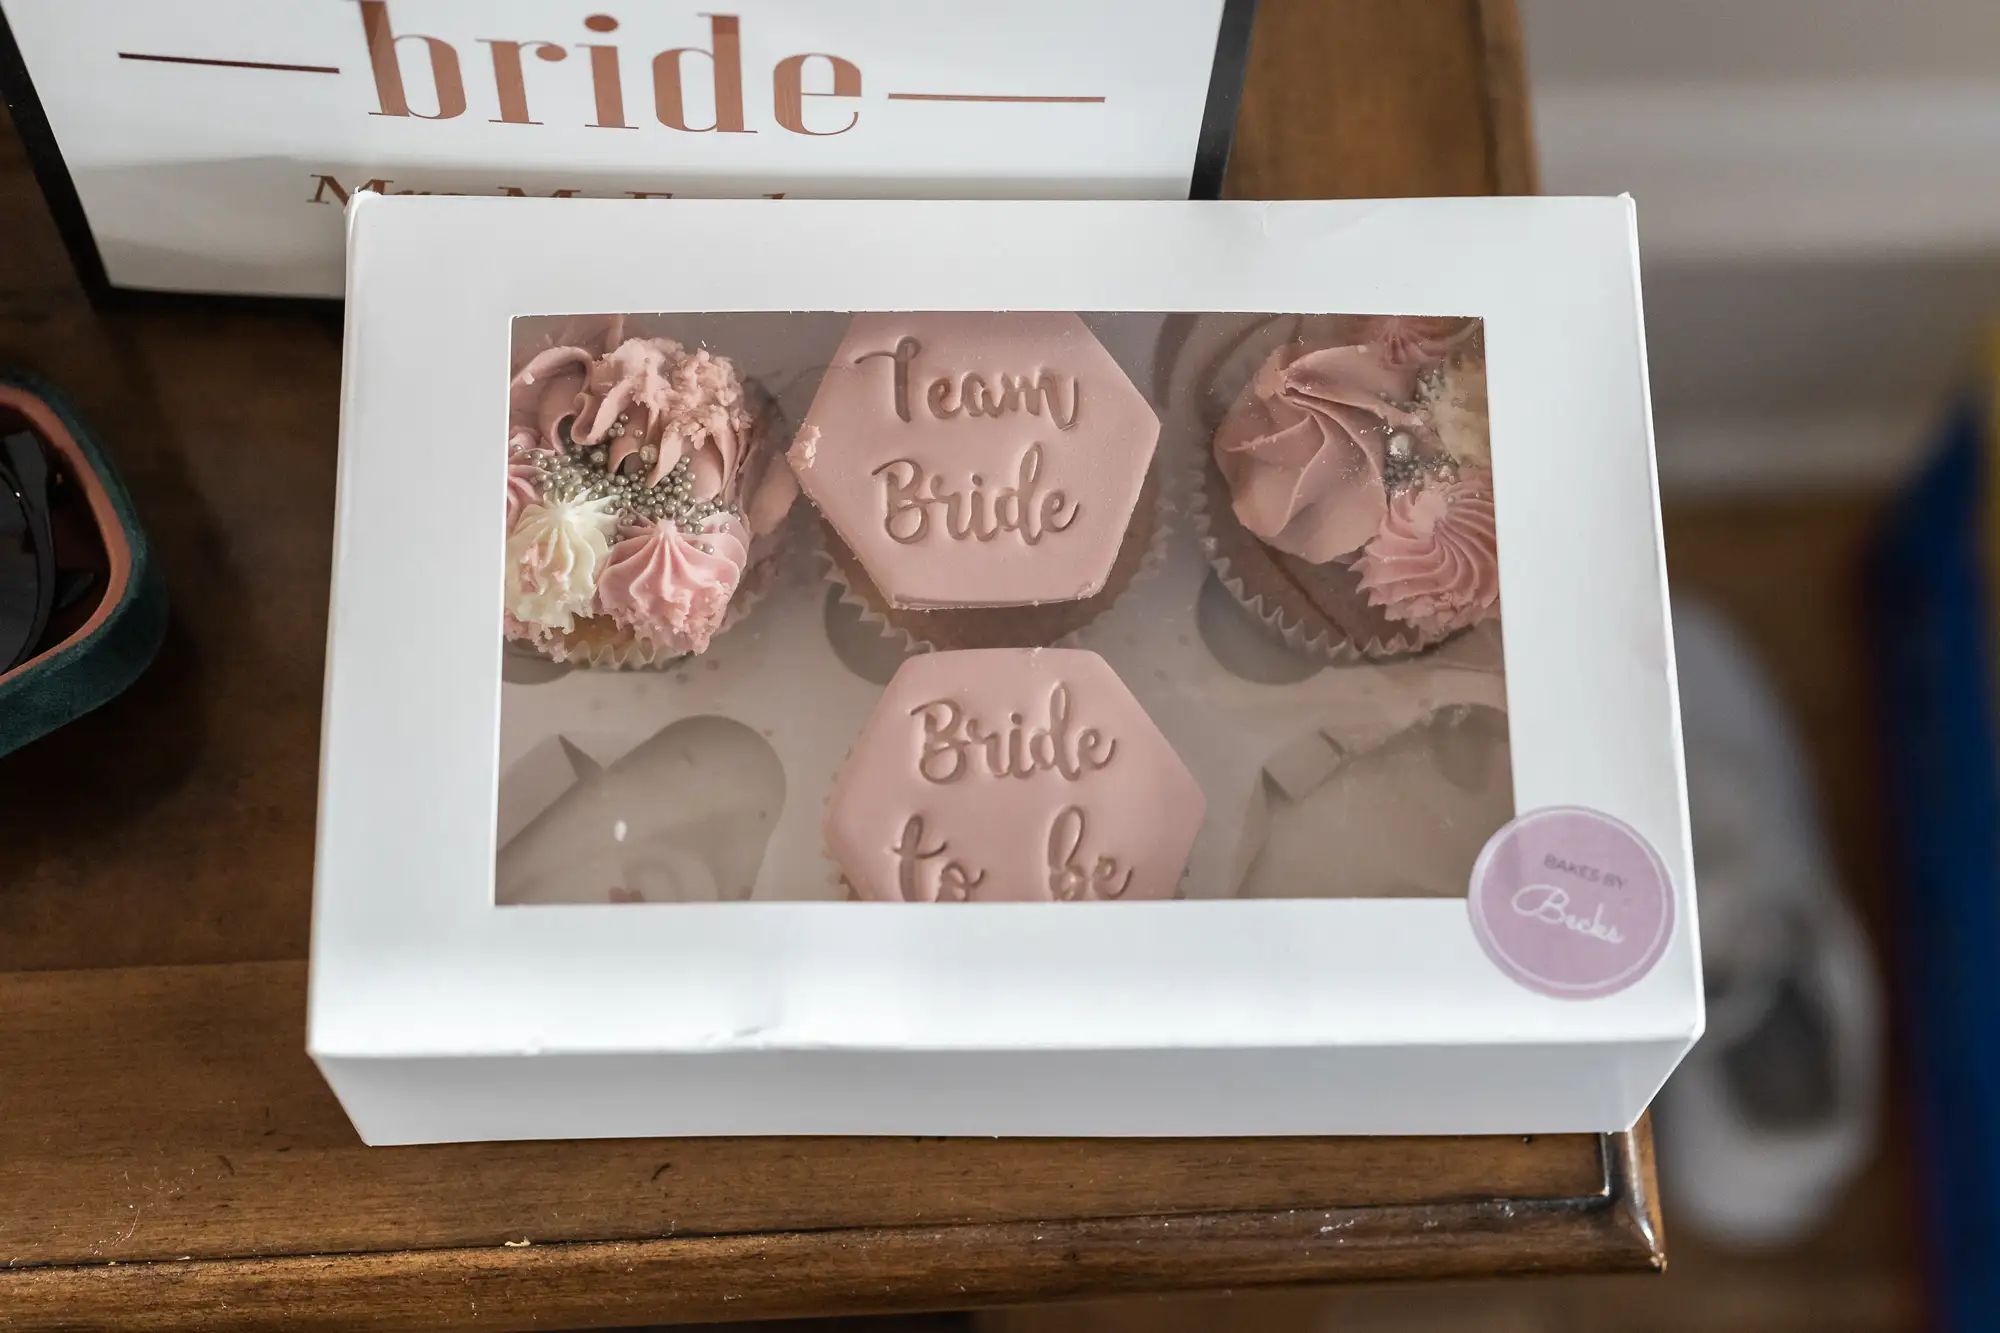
(1687, 901)
(1585, 1088)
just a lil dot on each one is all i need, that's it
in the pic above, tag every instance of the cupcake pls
(1350, 493)
(984, 480)
(645, 496)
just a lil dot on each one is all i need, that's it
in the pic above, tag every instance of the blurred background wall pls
(1819, 206)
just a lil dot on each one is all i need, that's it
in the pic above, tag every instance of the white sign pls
(212, 143)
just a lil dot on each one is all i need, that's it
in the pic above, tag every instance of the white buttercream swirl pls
(554, 554)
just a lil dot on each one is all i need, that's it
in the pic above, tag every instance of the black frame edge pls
(1225, 99)
(45, 159)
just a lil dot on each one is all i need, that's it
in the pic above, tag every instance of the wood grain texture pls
(1383, 99)
(791, 1273)
(169, 1158)
(244, 1150)
(1510, 136)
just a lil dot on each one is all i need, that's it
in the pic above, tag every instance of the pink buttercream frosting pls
(770, 486)
(682, 403)
(524, 487)
(1434, 565)
(671, 587)
(1416, 341)
(1303, 449)
(588, 408)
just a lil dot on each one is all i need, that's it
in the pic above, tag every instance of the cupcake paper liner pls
(1331, 644)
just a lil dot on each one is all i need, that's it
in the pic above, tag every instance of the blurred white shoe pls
(1775, 1110)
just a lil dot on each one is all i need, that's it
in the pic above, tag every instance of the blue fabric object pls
(1931, 609)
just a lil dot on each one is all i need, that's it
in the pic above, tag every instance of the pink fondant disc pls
(1572, 903)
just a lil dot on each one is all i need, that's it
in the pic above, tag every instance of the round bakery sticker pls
(1572, 903)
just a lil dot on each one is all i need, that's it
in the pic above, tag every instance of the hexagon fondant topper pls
(1011, 774)
(977, 459)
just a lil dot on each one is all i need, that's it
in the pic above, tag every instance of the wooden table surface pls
(168, 1156)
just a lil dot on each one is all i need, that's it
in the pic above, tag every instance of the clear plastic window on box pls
(997, 607)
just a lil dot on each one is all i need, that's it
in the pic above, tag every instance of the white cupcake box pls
(474, 978)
